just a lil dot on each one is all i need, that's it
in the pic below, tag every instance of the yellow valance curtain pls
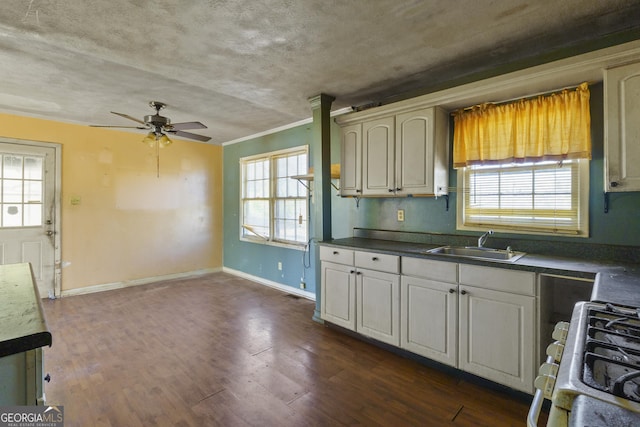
(553, 127)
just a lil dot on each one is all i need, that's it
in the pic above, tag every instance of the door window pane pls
(32, 215)
(11, 215)
(12, 166)
(12, 191)
(33, 168)
(21, 190)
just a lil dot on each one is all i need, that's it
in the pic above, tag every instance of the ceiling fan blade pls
(126, 116)
(121, 127)
(187, 125)
(190, 135)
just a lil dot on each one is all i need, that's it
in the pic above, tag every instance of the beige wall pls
(129, 223)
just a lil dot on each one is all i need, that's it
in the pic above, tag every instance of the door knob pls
(50, 232)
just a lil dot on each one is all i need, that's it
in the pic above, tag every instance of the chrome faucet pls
(484, 238)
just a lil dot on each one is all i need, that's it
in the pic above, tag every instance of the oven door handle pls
(536, 404)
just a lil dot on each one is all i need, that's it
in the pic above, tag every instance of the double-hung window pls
(533, 197)
(273, 205)
(524, 167)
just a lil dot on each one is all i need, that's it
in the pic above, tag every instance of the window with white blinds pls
(545, 197)
(274, 206)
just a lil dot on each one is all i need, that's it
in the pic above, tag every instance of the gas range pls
(601, 360)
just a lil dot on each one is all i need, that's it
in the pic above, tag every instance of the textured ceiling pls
(246, 66)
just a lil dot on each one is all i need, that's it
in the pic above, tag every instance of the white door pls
(28, 210)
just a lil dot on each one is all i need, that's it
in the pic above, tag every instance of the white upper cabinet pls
(398, 153)
(622, 128)
(378, 174)
(421, 160)
(351, 155)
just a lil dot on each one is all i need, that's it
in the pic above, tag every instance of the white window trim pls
(261, 240)
(583, 209)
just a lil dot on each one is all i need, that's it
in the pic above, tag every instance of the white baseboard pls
(128, 283)
(284, 288)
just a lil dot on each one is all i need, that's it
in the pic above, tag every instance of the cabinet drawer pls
(499, 279)
(338, 255)
(379, 262)
(440, 271)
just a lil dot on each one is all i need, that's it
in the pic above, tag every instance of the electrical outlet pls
(303, 285)
(400, 214)
(279, 266)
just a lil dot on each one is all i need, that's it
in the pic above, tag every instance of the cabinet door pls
(22, 379)
(351, 161)
(338, 295)
(378, 176)
(429, 323)
(497, 336)
(414, 145)
(378, 305)
(622, 134)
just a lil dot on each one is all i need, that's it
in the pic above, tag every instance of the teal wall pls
(621, 226)
(261, 260)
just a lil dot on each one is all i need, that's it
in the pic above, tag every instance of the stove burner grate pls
(612, 376)
(612, 351)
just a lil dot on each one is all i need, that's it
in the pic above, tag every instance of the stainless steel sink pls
(478, 252)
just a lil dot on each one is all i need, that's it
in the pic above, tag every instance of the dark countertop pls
(613, 282)
(22, 323)
(618, 286)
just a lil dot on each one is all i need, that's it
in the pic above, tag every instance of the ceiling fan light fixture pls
(164, 140)
(150, 139)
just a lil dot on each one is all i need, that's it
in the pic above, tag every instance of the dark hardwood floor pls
(218, 350)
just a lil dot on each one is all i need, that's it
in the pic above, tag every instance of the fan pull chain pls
(158, 158)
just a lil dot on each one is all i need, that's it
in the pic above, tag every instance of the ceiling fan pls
(158, 125)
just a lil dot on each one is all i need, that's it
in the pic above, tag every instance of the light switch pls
(75, 200)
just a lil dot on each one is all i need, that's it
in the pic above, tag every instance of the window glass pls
(538, 197)
(274, 206)
(21, 190)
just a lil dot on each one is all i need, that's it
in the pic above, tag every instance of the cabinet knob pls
(358, 273)
(336, 252)
(352, 271)
(614, 183)
(452, 291)
(463, 292)
(358, 191)
(391, 190)
(398, 189)
(47, 378)
(375, 258)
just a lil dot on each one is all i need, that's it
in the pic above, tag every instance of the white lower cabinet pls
(478, 319)
(361, 291)
(378, 305)
(496, 327)
(338, 303)
(429, 309)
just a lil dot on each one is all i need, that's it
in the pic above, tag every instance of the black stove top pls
(612, 351)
